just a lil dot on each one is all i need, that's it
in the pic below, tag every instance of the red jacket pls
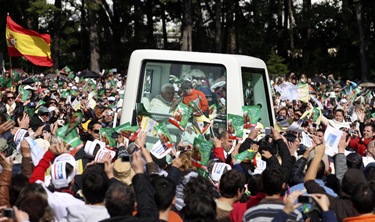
(219, 153)
(196, 94)
(359, 146)
(40, 169)
(239, 209)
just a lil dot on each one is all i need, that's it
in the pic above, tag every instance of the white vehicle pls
(235, 80)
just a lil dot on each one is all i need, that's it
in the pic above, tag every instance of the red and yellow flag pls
(33, 46)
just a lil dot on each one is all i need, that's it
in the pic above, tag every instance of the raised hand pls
(6, 163)
(24, 122)
(137, 163)
(6, 126)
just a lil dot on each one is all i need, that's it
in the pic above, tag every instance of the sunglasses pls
(96, 131)
(44, 114)
(52, 103)
(10, 97)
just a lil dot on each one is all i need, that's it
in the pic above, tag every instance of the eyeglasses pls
(96, 131)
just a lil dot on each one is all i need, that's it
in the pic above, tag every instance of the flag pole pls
(11, 72)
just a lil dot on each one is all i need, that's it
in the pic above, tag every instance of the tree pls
(362, 42)
(93, 7)
(187, 27)
(276, 66)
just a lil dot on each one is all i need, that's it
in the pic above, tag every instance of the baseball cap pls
(59, 177)
(43, 109)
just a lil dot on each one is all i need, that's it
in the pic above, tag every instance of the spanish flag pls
(33, 46)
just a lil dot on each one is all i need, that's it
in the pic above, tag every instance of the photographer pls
(360, 144)
(106, 119)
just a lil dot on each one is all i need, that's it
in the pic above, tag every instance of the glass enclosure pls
(161, 88)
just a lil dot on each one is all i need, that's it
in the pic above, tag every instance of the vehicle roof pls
(201, 57)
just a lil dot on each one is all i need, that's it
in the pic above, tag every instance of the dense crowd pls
(65, 156)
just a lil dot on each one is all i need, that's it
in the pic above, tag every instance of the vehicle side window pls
(254, 80)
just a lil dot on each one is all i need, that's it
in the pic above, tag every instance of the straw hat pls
(123, 171)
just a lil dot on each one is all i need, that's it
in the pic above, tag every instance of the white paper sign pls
(306, 140)
(295, 127)
(332, 138)
(159, 151)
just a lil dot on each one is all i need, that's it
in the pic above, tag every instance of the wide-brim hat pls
(123, 171)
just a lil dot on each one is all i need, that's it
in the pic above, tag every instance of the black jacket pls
(146, 205)
(297, 174)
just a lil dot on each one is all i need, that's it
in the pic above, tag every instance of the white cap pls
(343, 100)
(74, 87)
(90, 147)
(51, 108)
(30, 87)
(111, 99)
(58, 172)
(218, 170)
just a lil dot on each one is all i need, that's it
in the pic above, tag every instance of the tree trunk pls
(164, 26)
(200, 41)
(94, 35)
(362, 40)
(84, 37)
(56, 35)
(281, 49)
(306, 33)
(137, 21)
(218, 29)
(187, 30)
(231, 45)
(291, 25)
(150, 24)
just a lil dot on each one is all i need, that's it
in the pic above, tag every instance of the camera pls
(47, 128)
(351, 131)
(305, 199)
(126, 158)
(8, 212)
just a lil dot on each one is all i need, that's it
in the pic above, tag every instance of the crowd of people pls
(293, 172)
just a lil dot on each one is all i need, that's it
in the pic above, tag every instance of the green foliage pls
(41, 8)
(276, 65)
